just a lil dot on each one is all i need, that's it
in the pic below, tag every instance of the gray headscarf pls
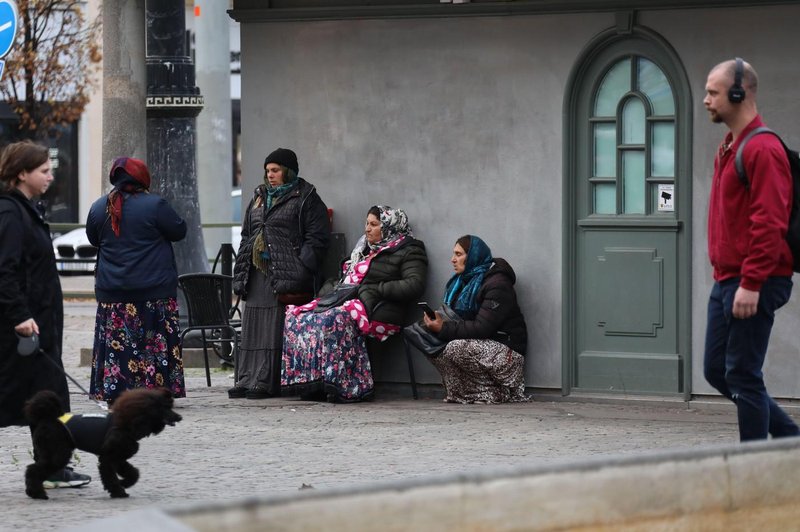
(394, 226)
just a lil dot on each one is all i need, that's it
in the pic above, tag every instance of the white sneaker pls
(66, 478)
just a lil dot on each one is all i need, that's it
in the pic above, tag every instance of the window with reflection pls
(633, 138)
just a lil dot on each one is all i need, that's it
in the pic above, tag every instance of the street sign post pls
(8, 29)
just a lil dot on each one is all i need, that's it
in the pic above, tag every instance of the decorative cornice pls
(174, 101)
(253, 11)
(174, 105)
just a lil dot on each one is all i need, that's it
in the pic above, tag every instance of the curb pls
(79, 294)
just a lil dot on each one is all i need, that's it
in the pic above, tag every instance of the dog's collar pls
(65, 418)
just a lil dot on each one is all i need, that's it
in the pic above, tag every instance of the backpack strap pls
(739, 159)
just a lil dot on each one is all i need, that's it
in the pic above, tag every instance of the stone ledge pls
(743, 487)
(192, 358)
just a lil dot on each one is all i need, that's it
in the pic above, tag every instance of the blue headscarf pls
(479, 260)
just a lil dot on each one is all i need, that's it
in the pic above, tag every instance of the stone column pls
(173, 103)
(124, 82)
(214, 130)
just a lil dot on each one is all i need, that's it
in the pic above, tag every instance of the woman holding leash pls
(31, 302)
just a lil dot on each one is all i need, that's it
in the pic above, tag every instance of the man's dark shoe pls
(66, 478)
(237, 392)
(259, 392)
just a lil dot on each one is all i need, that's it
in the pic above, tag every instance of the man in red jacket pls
(751, 259)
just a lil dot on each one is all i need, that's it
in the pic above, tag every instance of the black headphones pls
(736, 93)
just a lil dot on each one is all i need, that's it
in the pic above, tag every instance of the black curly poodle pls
(113, 438)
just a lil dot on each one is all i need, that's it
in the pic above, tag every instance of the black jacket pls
(396, 277)
(499, 316)
(297, 233)
(29, 288)
(139, 264)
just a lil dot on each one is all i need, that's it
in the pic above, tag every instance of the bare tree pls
(53, 66)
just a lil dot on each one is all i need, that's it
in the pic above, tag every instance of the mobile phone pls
(427, 310)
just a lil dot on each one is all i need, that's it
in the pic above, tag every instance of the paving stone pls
(228, 449)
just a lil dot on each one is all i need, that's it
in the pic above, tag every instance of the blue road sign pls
(8, 26)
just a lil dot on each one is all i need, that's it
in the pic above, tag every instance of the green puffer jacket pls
(396, 278)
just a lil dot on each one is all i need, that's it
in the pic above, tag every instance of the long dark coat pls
(499, 316)
(29, 288)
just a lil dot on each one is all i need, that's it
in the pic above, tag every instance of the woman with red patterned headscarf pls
(137, 334)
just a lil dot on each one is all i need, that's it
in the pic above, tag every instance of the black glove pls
(239, 288)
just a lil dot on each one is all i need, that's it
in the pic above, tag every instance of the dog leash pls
(29, 345)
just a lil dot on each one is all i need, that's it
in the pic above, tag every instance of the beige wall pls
(90, 141)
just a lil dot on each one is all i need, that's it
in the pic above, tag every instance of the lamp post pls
(173, 103)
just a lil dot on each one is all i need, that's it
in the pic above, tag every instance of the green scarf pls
(260, 257)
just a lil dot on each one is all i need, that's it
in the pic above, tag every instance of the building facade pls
(570, 135)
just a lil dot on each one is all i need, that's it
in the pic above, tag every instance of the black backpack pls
(793, 232)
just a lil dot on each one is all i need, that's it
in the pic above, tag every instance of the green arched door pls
(628, 258)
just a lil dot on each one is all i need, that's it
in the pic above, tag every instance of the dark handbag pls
(423, 339)
(426, 341)
(340, 294)
(294, 298)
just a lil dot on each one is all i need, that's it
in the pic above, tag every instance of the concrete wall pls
(744, 487)
(459, 121)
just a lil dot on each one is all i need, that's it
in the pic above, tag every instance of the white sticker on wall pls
(666, 198)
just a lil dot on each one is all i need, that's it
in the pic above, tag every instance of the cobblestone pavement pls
(232, 449)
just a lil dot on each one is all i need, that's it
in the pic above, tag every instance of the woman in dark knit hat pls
(285, 234)
(137, 332)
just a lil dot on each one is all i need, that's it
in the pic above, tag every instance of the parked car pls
(236, 230)
(74, 253)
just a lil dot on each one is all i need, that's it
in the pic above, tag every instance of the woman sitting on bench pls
(324, 349)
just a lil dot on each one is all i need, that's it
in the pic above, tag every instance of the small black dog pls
(113, 438)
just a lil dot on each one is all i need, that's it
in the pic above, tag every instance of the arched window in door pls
(633, 140)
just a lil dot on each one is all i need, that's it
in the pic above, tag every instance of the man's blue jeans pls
(735, 353)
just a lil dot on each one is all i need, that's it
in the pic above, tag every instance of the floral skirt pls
(325, 352)
(136, 345)
(481, 371)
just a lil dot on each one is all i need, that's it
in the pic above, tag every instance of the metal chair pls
(372, 346)
(206, 297)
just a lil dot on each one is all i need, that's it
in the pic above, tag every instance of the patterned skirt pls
(481, 371)
(325, 352)
(136, 345)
